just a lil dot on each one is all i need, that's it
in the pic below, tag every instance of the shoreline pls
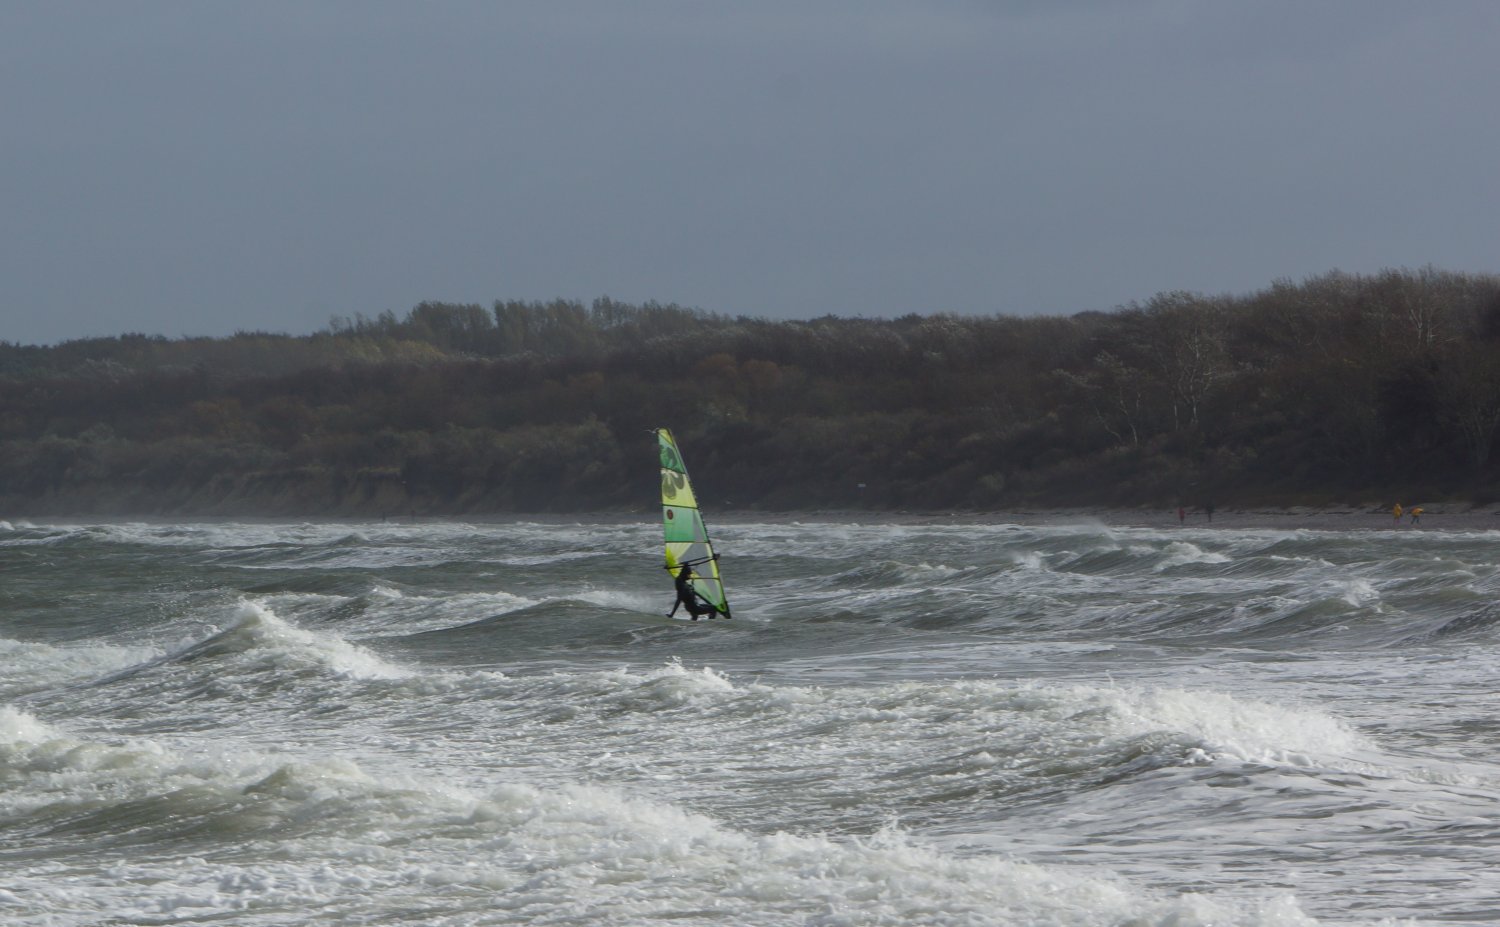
(1341, 518)
(1437, 517)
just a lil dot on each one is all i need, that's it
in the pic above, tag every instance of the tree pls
(1187, 343)
(1116, 392)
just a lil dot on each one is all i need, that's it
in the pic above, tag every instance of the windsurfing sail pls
(687, 538)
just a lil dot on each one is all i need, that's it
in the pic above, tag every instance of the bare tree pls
(1187, 344)
(1116, 392)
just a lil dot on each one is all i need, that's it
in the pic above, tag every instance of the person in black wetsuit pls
(688, 596)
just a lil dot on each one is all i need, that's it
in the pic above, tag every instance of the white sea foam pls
(1243, 728)
(1181, 553)
(1029, 560)
(353, 845)
(32, 667)
(259, 628)
(859, 734)
(17, 726)
(544, 559)
(1360, 593)
(666, 686)
(394, 612)
(926, 570)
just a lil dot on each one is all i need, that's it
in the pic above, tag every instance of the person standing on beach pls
(1396, 511)
(1416, 513)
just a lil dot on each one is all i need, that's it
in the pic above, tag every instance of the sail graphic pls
(687, 538)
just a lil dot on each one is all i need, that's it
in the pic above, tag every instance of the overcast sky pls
(197, 168)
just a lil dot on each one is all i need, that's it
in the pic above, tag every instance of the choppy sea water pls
(486, 724)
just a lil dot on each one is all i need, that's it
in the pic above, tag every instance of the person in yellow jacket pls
(1396, 510)
(1416, 513)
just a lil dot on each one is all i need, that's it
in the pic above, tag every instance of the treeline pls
(1338, 389)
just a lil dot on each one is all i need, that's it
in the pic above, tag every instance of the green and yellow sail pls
(687, 538)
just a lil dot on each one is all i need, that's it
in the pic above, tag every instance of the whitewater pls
(441, 723)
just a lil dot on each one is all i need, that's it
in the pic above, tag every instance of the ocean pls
(442, 723)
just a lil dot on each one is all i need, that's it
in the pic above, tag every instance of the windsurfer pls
(688, 596)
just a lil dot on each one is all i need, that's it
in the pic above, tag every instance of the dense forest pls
(1341, 389)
